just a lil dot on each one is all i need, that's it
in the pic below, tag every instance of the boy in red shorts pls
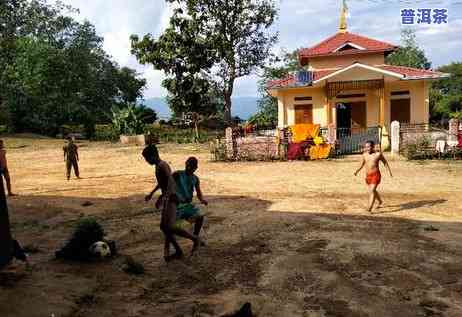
(371, 160)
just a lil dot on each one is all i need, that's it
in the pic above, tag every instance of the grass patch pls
(131, 266)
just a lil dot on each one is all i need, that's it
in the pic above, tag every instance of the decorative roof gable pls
(334, 44)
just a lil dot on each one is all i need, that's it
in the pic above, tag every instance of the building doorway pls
(303, 113)
(401, 110)
(352, 129)
(343, 111)
(351, 115)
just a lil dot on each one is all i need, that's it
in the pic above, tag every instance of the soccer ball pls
(100, 249)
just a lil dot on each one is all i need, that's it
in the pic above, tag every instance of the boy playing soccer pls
(186, 183)
(371, 159)
(167, 203)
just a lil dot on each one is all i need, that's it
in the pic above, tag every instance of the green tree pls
(279, 67)
(226, 39)
(130, 85)
(446, 94)
(185, 56)
(145, 114)
(130, 119)
(53, 69)
(409, 54)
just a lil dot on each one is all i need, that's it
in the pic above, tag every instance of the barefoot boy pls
(371, 160)
(71, 157)
(4, 168)
(186, 183)
(167, 203)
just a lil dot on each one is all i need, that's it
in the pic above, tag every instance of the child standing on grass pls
(4, 168)
(371, 159)
(71, 157)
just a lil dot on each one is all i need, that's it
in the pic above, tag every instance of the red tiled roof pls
(407, 72)
(328, 46)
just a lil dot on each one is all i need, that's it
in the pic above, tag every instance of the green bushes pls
(127, 120)
(105, 132)
(87, 232)
(171, 134)
(3, 129)
(218, 150)
(163, 133)
(422, 148)
(418, 149)
(72, 129)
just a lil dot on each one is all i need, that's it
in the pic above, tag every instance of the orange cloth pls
(302, 131)
(321, 151)
(373, 177)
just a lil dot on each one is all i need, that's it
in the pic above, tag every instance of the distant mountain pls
(160, 106)
(243, 107)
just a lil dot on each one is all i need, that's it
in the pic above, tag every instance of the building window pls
(400, 93)
(303, 98)
(400, 110)
(303, 113)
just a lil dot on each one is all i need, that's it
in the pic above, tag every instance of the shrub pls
(3, 129)
(105, 132)
(171, 134)
(67, 129)
(89, 129)
(418, 149)
(218, 150)
(127, 120)
(87, 232)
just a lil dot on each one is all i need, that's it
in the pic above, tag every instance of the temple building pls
(345, 82)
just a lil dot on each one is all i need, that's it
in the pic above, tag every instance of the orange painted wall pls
(342, 61)
(418, 90)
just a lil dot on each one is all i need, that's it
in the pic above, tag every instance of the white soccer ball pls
(100, 249)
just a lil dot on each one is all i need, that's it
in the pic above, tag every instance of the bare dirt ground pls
(290, 237)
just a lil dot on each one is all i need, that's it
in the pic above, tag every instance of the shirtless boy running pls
(371, 160)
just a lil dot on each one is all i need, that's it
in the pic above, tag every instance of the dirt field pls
(290, 237)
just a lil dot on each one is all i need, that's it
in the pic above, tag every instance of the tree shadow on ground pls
(285, 263)
(413, 205)
(107, 176)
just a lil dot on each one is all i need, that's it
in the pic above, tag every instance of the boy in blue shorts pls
(186, 183)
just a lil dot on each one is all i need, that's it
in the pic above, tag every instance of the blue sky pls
(301, 23)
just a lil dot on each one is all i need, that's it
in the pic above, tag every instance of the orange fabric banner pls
(301, 132)
(321, 151)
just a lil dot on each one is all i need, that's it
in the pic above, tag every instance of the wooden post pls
(6, 243)
(328, 111)
(385, 142)
(229, 143)
(395, 138)
(382, 107)
(453, 131)
(331, 133)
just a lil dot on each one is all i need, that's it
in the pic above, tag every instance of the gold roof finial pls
(343, 18)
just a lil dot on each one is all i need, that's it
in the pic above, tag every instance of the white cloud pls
(301, 23)
(164, 19)
(154, 78)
